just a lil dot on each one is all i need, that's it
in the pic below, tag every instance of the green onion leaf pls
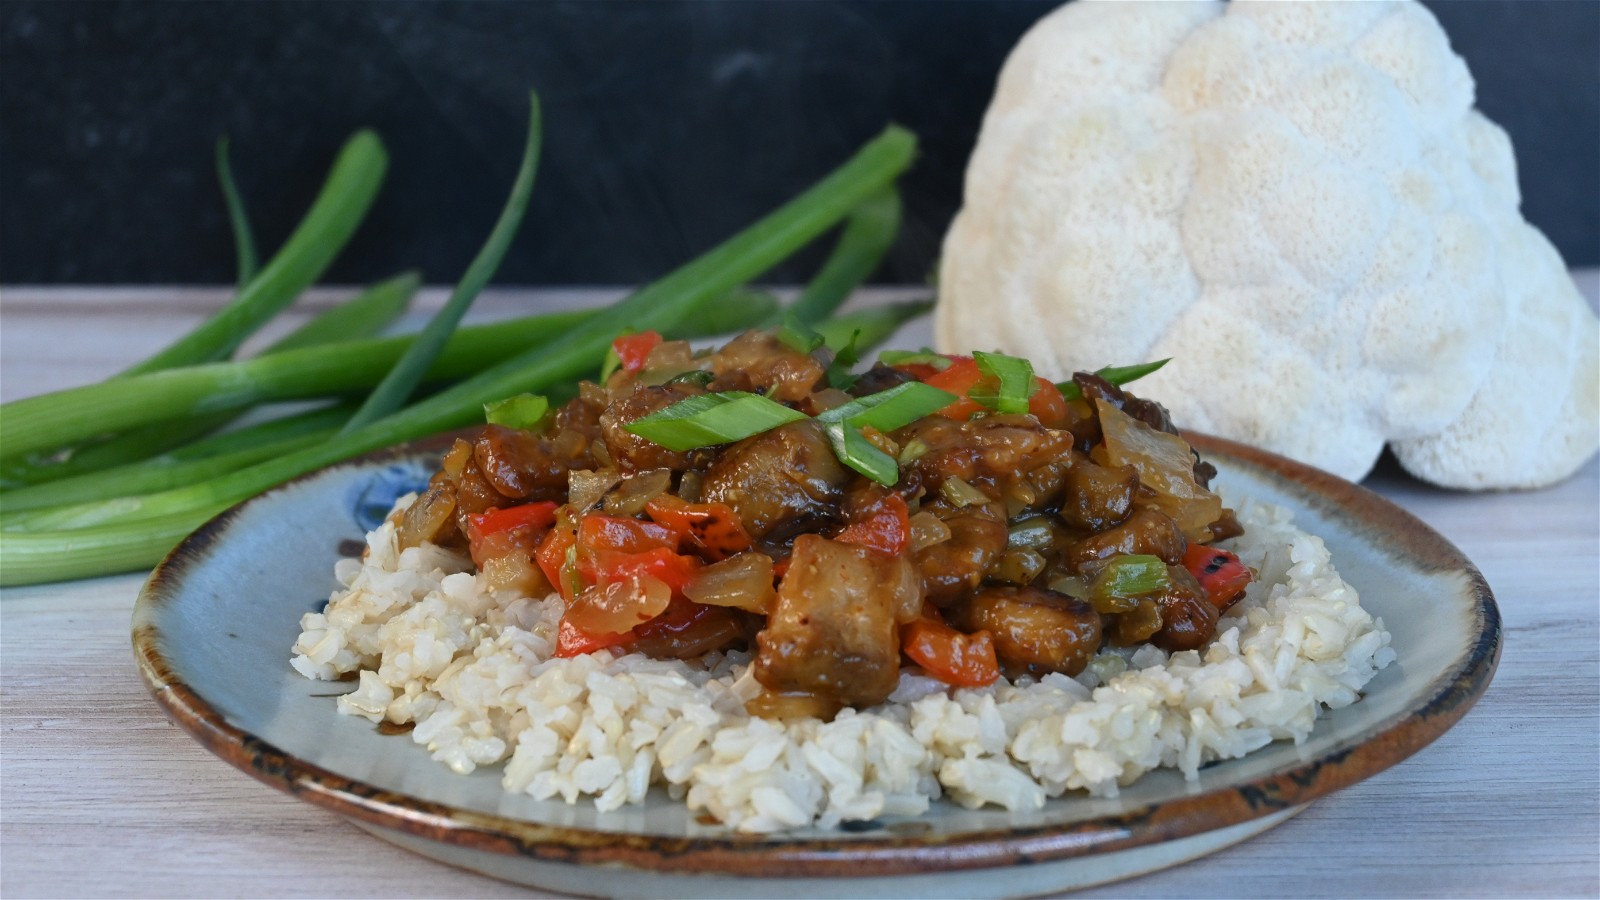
(708, 419)
(855, 451)
(798, 336)
(1012, 380)
(699, 377)
(1116, 375)
(867, 236)
(349, 190)
(923, 357)
(524, 411)
(887, 410)
(396, 387)
(613, 362)
(244, 242)
(1130, 575)
(839, 371)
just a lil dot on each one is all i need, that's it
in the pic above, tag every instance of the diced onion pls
(1165, 464)
(1032, 533)
(515, 572)
(593, 393)
(742, 581)
(637, 490)
(670, 355)
(829, 398)
(618, 606)
(689, 486)
(904, 585)
(1018, 566)
(927, 529)
(1071, 585)
(585, 487)
(959, 493)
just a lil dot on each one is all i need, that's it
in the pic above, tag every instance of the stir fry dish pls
(956, 513)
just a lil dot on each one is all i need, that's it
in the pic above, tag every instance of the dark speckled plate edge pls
(1440, 706)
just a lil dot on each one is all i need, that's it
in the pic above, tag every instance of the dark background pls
(668, 124)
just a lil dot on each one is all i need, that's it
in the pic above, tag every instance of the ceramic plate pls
(213, 628)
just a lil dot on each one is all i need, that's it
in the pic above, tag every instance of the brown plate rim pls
(1448, 698)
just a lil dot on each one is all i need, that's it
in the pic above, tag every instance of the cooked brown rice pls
(473, 670)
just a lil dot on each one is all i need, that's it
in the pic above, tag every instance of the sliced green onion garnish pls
(887, 410)
(855, 451)
(1012, 382)
(798, 336)
(1132, 575)
(612, 362)
(701, 377)
(839, 371)
(524, 411)
(708, 419)
(923, 357)
(1116, 375)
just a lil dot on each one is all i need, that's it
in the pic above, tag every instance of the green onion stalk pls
(138, 534)
(366, 314)
(338, 210)
(343, 202)
(244, 240)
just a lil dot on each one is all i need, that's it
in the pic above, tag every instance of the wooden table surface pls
(101, 796)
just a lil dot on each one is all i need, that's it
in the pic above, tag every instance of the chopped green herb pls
(701, 377)
(708, 419)
(839, 371)
(855, 451)
(612, 362)
(244, 241)
(1131, 575)
(523, 411)
(1007, 384)
(798, 336)
(923, 357)
(887, 410)
(1114, 374)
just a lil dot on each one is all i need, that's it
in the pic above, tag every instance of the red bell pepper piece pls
(960, 377)
(571, 641)
(553, 559)
(919, 371)
(528, 515)
(964, 660)
(634, 349)
(885, 528)
(672, 569)
(599, 532)
(713, 529)
(1047, 405)
(1219, 572)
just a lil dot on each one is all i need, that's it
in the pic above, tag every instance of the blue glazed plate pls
(213, 628)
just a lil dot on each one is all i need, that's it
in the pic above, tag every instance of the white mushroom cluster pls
(1296, 202)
